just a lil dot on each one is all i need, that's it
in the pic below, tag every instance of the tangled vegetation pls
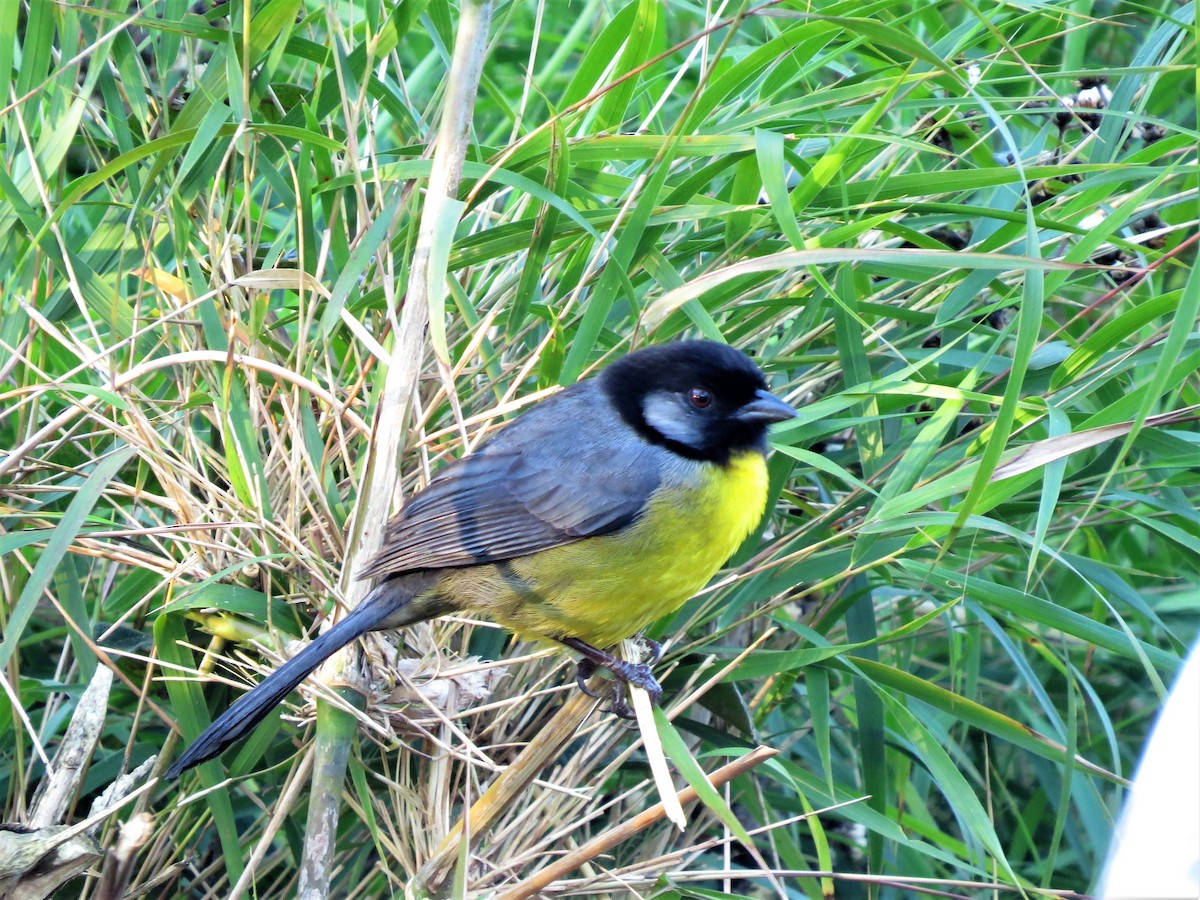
(959, 237)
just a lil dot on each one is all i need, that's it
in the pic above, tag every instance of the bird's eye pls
(700, 398)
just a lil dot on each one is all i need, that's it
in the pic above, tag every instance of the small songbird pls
(592, 514)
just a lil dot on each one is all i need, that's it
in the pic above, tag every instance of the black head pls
(702, 399)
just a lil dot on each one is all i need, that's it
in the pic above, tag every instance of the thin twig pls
(605, 842)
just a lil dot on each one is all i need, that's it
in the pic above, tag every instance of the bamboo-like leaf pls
(446, 222)
(69, 524)
(1044, 452)
(796, 259)
(965, 710)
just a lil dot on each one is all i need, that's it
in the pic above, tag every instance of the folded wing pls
(542, 481)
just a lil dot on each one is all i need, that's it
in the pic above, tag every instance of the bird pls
(590, 515)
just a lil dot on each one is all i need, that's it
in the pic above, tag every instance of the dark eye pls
(700, 398)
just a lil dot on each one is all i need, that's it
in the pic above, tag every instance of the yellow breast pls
(604, 589)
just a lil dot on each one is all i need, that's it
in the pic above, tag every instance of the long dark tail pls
(389, 605)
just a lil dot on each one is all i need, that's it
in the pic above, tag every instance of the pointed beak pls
(764, 409)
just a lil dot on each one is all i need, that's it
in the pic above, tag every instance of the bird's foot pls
(638, 675)
(624, 673)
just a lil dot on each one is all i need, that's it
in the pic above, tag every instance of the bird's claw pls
(617, 705)
(585, 669)
(655, 649)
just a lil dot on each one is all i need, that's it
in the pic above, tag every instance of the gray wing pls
(566, 469)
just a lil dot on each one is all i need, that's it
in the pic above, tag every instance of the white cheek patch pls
(666, 414)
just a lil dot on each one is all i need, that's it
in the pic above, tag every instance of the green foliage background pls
(207, 217)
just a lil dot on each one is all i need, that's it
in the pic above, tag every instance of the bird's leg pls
(637, 674)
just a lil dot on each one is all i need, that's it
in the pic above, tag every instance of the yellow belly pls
(604, 589)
